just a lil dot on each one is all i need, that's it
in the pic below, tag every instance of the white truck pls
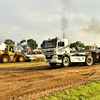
(58, 51)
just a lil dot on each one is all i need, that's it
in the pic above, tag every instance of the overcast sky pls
(79, 20)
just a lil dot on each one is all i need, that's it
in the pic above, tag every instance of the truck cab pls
(57, 46)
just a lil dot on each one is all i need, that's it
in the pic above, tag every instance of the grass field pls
(18, 64)
(88, 92)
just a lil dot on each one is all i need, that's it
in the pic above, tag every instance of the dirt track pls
(29, 82)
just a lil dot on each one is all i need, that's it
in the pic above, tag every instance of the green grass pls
(88, 92)
(31, 63)
(37, 57)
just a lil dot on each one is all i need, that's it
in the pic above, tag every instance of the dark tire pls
(65, 62)
(52, 64)
(5, 59)
(28, 60)
(89, 61)
(21, 59)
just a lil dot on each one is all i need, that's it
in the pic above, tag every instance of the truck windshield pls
(51, 43)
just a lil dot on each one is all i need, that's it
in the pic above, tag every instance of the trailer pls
(57, 51)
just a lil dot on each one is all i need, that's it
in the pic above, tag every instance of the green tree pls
(43, 44)
(9, 42)
(32, 43)
(22, 41)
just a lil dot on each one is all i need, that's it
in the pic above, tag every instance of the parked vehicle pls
(10, 54)
(36, 54)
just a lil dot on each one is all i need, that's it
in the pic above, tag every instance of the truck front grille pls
(49, 52)
(49, 56)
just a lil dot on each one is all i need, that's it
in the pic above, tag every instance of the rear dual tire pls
(89, 61)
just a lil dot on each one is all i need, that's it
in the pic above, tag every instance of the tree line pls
(30, 42)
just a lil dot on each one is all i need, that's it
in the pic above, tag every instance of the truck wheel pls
(65, 62)
(89, 61)
(5, 59)
(21, 59)
(52, 64)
